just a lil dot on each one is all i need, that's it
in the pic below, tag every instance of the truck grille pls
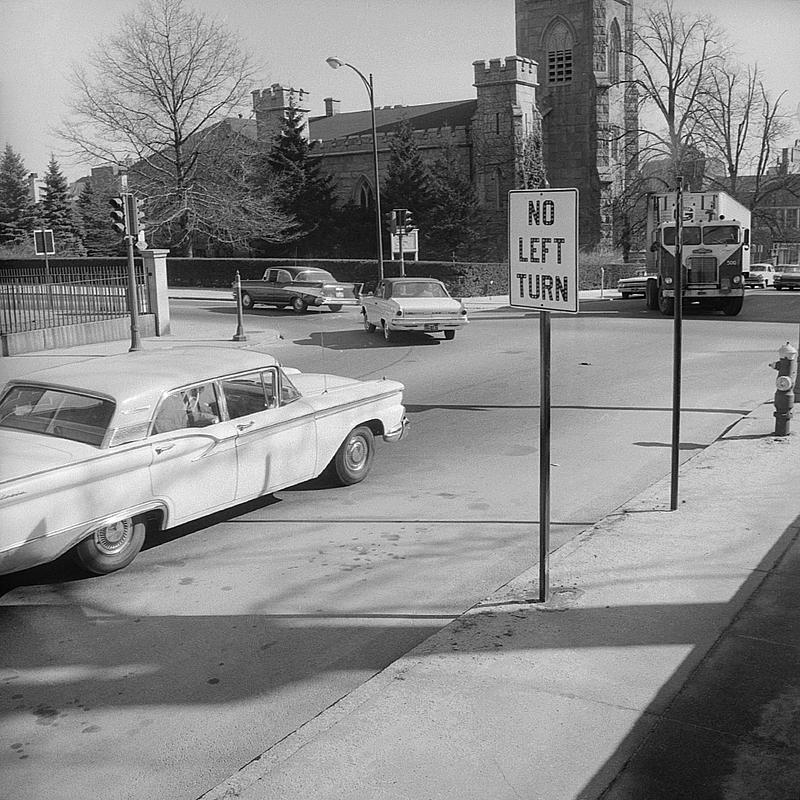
(703, 269)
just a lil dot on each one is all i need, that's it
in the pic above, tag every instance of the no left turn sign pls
(543, 249)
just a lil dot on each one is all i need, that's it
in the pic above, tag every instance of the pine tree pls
(17, 213)
(57, 212)
(408, 179)
(450, 225)
(99, 238)
(304, 192)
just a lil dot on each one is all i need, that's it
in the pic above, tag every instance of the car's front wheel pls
(247, 301)
(299, 305)
(335, 308)
(368, 326)
(111, 547)
(449, 334)
(353, 459)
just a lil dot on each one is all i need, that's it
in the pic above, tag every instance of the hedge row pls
(462, 279)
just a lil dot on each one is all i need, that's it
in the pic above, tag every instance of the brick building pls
(565, 78)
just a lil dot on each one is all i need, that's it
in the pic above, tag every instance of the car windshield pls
(315, 276)
(53, 412)
(418, 289)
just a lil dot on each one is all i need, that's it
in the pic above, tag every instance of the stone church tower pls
(589, 113)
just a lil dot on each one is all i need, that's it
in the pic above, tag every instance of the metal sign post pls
(677, 279)
(543, 274)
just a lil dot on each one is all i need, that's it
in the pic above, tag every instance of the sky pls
(419, 51)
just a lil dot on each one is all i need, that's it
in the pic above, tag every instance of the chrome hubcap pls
(356, 453)
(114, 537)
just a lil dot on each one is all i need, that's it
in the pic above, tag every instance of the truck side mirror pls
(654, 247)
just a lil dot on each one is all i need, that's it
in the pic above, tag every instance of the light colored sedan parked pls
(412, 304)
(95, 454)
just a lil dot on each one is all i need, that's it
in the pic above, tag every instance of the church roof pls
(430, 115)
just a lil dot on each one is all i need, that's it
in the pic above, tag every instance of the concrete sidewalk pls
(665, 664)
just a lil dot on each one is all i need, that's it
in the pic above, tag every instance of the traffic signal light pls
(118, 223)
(391, 221)
(131, 214)
(408, 222)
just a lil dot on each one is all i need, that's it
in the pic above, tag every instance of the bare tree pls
(154, 98)
(673, 56)
(741, 128)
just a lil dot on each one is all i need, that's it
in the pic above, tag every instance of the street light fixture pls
(335, 63)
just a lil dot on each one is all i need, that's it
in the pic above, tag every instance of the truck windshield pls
(691, 235)
(720, 234)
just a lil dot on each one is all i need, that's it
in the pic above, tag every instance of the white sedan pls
(412, 304)
(96, 454)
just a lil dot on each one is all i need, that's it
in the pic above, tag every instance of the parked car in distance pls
(637, 284)
(94, 457)
(787, 276)
(299, 288)
(760, 276)
(412, 304)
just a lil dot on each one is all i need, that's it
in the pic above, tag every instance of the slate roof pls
(430, 115)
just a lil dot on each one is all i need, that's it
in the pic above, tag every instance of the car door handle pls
(243, 426)
(162, 448)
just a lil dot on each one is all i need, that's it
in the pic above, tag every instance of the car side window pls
(250, 394)
(283, 276)
(193, 407)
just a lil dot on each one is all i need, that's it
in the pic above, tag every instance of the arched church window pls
(614, 49)
(364, 194)
(559, 53)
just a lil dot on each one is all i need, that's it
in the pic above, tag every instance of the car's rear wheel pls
(247, 301)
(625, 295)
(111, 547)
(335, 308)
(449, 334)
(368, 326)
(299, 305)
(353, 459)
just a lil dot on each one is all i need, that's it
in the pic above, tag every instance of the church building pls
(567, 77)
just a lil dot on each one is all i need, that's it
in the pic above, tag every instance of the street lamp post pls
(335, 63)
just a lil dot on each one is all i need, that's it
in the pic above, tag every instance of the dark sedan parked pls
(299, 288)
(787, 276)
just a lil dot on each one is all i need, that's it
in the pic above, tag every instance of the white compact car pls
(412, 304)
(760, 276)
(96, 453)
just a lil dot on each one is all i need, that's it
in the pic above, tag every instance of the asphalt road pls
(226, 635)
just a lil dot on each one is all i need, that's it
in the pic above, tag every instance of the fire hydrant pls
(784, 387)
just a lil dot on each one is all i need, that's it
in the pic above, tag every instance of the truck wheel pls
(247, 301)
(733, 306)
(335, 308)
(299, 305)
(666, 305)
(651, 295)
(368, 326)
(354, 457)
(111, 547)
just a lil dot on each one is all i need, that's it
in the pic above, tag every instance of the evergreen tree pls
(303, 190)
(449, 228)
(58, 214)
(17, 212)
(407, 183)
(99, 238)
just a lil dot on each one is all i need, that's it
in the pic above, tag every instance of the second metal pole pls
(544, 456)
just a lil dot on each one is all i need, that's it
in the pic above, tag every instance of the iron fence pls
(49, 296)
